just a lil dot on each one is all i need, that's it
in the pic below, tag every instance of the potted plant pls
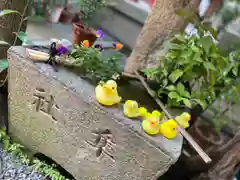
(89, 62)
(81, 32)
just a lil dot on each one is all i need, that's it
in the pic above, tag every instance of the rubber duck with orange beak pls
(107, 94)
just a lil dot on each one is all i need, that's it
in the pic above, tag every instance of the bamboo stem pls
(22, 20)
(130, 76)
(184, 133)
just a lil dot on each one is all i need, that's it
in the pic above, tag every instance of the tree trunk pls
(161, 22)
(227, 166)
(9, 23)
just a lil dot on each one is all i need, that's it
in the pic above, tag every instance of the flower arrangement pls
(89, 60)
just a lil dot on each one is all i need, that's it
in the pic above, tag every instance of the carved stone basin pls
(56, 114)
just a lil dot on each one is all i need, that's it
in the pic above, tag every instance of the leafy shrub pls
(49, 171)
(91, 63)
(89, 7)
(193, 71)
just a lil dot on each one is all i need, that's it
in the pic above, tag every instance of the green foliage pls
(89, 7)
(91, 63)
(193, 71)
(8, 11)
(17, 150)
(23, 37)
(231, 93)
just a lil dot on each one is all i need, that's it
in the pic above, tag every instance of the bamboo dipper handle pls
(184, 133)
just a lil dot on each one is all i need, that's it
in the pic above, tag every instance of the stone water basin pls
(56, 114)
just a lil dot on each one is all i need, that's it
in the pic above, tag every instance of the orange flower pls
(85, 43)
(117, 46)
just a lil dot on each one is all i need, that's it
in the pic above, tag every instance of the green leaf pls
(206, 43)
(150, 72)
(185, 13)
(8, 11)
(173, 95)
(195, 49)
(171, 88)
(209, 66)
(211, 30)
(186, 54)
(6, 142)
(3, 64)
(202, 103)
(26, 18)
(228, 81)
(22, 36)
(171, 55)
(214, 55)
(186, 94)
(153, 93)
(180, 88)
(235, 70)
(197, 57)
(173, 46)
(164, 82)
(180, 37)
(212, 78)
(186, 102)
(175, 75)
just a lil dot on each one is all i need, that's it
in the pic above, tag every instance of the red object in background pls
(151, 3)
(213, 6)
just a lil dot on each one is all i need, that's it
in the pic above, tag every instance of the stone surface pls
(67, 127)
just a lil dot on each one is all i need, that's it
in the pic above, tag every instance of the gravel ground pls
(11, 170)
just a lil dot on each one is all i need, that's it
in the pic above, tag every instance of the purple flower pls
(100, 34)
(99, 47)
(62, 50)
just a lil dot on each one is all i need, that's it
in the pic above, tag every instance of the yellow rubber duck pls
(106, 93)
(142, 111)
(168, 129)
(157, 114)
(184, 119)
(130, 109)
(150, 125)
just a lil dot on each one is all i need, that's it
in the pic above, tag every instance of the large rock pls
(55, 113)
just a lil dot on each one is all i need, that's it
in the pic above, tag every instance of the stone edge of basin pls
(171, 148)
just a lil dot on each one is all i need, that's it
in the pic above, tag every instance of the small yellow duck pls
(106, 93)
(157, 114)
(151, 124)
(168, 129)
(142, 111)
(184, 119)
(131, 109)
